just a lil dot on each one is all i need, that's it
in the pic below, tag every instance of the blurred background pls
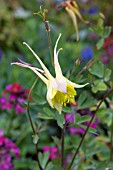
(18, 24)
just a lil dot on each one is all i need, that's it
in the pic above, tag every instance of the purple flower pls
(87, 53)
(7, 147)
(53, 150)
(93, 10)
(14, 96)
(19, 109)
(4, 104)
(69, 118)
(77, 131)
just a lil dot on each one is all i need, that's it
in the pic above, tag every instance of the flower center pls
(65, 98)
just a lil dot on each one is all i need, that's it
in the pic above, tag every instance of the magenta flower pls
(69, 117)
(7, 147)
(14, 97)
(53, 150)
(76, 131)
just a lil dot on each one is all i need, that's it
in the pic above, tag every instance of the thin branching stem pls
(88, 65)
(31, 122)
(62, 145)
(50, 47)
(111, 142)
(98, 106)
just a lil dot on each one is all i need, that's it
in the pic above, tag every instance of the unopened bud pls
(47, 26)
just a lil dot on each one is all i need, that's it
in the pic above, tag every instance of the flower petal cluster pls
(72, 8)
(14, 97)
(53, 151)
(60, 90)
(7, 147)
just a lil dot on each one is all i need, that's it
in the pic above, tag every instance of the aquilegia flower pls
(60, 90)
(72, 8)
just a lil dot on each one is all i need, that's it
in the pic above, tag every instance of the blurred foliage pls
(17, 24)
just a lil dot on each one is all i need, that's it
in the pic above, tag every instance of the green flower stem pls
(62, 145)
(50, 46)
(111, 142)
(31, 122)
(88, 65)
(69, 168)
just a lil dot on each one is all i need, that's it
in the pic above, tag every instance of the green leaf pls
(47, 115)
(49, 166)
(82, 98)
(102, 166)
(56, 140)
(35, 138)
(88, 103)
(66, 109)
(107, 31)
(100, 43)
(60, 119)
(45, 159)
(107, 74)
(97, 69)
(99, 85)
(58, 167)
(83, 119)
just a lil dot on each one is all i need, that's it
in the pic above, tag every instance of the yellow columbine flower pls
(72, 8)
(60, 90)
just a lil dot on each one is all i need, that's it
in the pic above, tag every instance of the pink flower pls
(7, 147)
(69, 117)
(77, 131)
(19, 109)
(15, 88)
(14, 96)
(53, 150)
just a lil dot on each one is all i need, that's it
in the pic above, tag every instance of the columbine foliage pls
(80, 138)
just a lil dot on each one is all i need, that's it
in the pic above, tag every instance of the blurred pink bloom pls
(19, 109)
(7, 147)
(53, 150)
(69, 117)
(77, 131)
(14, 96)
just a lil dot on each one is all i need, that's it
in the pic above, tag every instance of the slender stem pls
(31, 122)
(111, 142)
(50, 46)
(72, 72)
(62, 146)
(88, 65)
(111, 90)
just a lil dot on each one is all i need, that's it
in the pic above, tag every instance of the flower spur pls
(60, 90)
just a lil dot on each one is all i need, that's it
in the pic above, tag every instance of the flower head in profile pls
(72, 8)
(60, 90)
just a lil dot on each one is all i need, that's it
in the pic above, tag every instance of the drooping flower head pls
(72, 8)
(60, 90)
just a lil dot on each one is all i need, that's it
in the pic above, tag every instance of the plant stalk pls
(62, 146)
(111, 142)
(31, 122)
(69, 168)
(50, 47)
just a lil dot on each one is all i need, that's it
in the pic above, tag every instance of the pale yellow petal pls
(79, 15)
(76, 85)
(50, 94)
(34, 70)
(58, 106)
(74, 19)
(58, 70)
(48, 75)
